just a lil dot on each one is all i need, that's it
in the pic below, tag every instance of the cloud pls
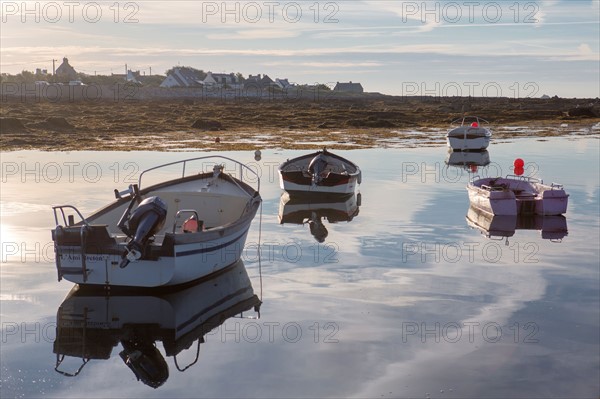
(327, 64)
(585, 49)
(254, 34)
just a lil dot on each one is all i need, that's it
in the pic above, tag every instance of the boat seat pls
(524, 194)
(192, 225)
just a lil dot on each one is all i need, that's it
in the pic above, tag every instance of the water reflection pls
(552, 228)
(91, 322)
(468, 160)
(312, 210)
(408, 263)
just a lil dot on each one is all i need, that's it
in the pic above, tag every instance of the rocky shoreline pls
(243, 124)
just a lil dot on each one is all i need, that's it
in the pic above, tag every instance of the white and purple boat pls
(322, 172)
(517, 195)
(171, 233)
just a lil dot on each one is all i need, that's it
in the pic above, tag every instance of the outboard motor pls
(316, 167)
(146, 362)
(317, 228)
(145, 221)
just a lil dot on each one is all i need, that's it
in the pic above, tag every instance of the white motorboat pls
(91, 322)
(313, 210)
(321, 172)
(552, 228)
(470, 135)
(517, 195)
(142, 240)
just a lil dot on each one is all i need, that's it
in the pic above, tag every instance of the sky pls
(417, 48)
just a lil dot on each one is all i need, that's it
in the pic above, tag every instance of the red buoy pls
(519, 171)
(474, 124)
(519, 163)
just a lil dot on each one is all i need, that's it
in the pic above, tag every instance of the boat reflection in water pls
(313, 209)
(468, 160)
(90, 322)
(553, 228)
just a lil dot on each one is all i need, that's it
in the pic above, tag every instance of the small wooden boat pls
(321, 172)
(553, 228)
(142, 240)
(91, 322)
(470, 135)
(313, 210)
(517, 195)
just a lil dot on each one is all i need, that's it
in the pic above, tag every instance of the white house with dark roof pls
(221, 80)
(182, 77)
(283, 83)
(259, 81)
(348, 87)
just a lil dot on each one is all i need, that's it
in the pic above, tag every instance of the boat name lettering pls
(92, 258)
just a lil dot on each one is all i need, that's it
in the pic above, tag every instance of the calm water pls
(404, 300)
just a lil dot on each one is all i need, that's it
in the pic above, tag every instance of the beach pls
(247, 124)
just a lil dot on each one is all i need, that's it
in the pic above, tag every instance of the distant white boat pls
(142, 240)
(322, 172)
(517, 195)
(470, 135)
(91, 323)
(552, 228)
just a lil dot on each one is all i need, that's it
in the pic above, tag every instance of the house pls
(221, 80)
(183, 77)
(133, 77)
(348, 87)
(258, 81)
(283, 83)
(66, 71)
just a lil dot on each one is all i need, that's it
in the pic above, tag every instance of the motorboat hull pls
(341, 176)
(517, 196)
(190, 262)
(465, 138)
(469, 136)
(93, 251)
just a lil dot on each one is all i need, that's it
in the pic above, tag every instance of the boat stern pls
(553, 202)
